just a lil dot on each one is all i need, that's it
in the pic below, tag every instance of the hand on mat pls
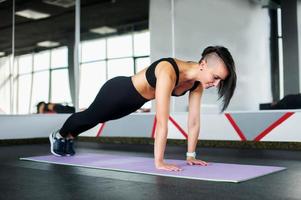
(168, 167)
(193, 161)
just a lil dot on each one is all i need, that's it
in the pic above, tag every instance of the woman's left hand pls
(193, 161)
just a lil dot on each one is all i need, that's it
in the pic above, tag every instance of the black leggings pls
(117, 98)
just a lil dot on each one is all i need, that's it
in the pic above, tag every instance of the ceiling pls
(124, 15)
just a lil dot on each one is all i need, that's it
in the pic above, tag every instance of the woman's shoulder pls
(165, 67)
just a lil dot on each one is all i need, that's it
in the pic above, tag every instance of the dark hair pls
(39, 105)
(226, 87)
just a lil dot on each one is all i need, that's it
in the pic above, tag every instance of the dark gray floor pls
(29, 180)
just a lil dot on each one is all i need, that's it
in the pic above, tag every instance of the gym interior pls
(59, 53)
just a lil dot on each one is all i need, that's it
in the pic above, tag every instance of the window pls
(103, 59)
(5, 97)
(120, 46)
(41, 61)
(93, 76)
(44, 76)
(93, 50)
(32, 82)
(141, 44)
(142, 63)
(120, 67)
(40, 89)
(16, 97)
(25, 64)
(60, 92)
(4, 85)
(4, 69)
(24, 93)
(59, 57)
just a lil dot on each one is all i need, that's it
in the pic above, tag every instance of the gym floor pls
(32, 180)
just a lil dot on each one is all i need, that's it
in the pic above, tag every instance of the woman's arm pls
(166, 79)
(194, 124)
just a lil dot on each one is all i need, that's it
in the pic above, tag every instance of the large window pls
(44, 76)
(106, 58)
(40, 77)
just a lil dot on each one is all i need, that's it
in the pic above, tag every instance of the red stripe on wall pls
(100, 129)
(274, 125)
(178, 127)
(235, 126)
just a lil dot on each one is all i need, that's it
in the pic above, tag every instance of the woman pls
(43, 107)
(164, 78)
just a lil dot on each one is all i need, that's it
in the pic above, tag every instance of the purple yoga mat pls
(213, 172)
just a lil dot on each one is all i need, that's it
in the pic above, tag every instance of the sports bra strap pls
(150, 72)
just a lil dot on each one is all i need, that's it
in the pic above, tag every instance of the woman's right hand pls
(167, 167)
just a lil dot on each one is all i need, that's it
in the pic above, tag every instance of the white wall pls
(240, 25)
(30, 126)
(138, 125)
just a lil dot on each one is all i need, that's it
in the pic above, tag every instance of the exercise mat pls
(213, 172)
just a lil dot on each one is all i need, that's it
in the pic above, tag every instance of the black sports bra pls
(151, 77)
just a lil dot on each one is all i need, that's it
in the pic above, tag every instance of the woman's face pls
(41, 108)
(213, 72)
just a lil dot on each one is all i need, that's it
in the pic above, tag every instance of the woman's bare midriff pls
(142, 86)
